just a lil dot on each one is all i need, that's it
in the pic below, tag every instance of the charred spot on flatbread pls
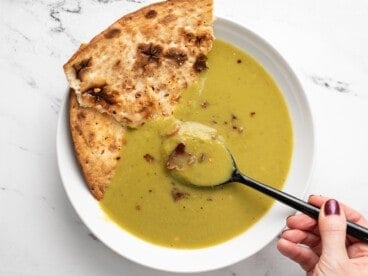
(200, 63)
(111, 33)
(177, 55)
(81, 67)
(151, 14)
(101, 94)
(148, 53)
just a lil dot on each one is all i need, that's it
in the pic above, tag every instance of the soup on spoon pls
(197, 155)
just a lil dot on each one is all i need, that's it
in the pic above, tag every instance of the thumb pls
(332, 227)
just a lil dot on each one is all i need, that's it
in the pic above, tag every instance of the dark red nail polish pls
(332, 207)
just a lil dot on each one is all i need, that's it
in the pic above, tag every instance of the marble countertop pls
(325, 42)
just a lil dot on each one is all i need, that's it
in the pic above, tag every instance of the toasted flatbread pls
(137, 68)
(132, 72)
(97, 140)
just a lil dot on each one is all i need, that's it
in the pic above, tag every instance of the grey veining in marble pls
(328, 83)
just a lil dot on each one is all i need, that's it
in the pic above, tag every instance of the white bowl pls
(238, 248)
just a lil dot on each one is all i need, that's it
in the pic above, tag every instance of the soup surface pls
(240, 100)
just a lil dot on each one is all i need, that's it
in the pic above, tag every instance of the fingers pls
(358, 250)
(332, 228)
(301, 221)
(325, 238)
(304, 256)
(306, 223)
(350, 213)
(317, 200)
(301, 237)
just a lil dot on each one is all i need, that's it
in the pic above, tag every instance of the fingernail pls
(332, 207)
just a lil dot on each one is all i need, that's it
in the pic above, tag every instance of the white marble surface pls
(326, 43)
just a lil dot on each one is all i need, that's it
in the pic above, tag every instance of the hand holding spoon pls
(220, 169)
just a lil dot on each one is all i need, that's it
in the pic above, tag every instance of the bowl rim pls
(187, 260)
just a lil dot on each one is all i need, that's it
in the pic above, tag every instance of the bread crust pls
(97, 140)
(136, 69)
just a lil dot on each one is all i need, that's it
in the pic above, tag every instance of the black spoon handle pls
(353, 229)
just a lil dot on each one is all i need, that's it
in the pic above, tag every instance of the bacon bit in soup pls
(178, 195)
(180, 149)
(235, 124)
(149, 158)
(179, 157)
(204, 104)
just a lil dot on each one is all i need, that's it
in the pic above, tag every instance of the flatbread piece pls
(132, 72)
(97, 140)
(137, 68)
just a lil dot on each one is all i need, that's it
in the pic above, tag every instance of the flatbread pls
(97, 140)
(137, 68)
(132, 72)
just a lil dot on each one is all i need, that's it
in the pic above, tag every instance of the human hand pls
(323, 248)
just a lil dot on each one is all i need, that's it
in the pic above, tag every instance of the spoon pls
(352, 229)
(184, 166)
